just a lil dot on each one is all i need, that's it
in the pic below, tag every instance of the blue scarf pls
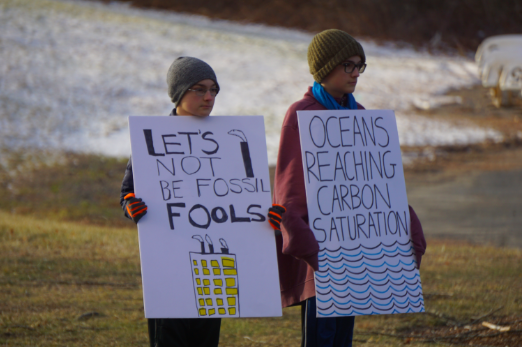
(329, 102)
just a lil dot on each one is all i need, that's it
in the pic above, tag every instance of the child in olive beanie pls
(330, 48)
(297, 246)
(186, 72)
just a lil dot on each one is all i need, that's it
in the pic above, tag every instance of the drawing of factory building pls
(215, 280)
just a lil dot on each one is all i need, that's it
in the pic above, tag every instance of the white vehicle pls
(499, 59)
(502, 70)
(497, 43)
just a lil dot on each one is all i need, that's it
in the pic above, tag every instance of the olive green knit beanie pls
(328, 49)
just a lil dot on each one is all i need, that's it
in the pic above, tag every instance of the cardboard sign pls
(358, 211)
(206, 247)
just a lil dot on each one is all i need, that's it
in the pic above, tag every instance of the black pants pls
(184, 332)
(324, 332)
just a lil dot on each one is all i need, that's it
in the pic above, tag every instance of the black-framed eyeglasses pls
(349, 67)
(203, 92)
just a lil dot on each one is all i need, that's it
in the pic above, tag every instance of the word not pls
(190, 165)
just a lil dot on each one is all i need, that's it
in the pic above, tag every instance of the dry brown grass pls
(52, 273)
(62, 186)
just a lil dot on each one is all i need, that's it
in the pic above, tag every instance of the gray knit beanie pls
(328, 49)
(184, 73)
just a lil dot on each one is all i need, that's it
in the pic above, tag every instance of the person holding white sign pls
(336, 61)
(192, 87)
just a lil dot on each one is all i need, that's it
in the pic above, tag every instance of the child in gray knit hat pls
(186, 72)
(192, 86)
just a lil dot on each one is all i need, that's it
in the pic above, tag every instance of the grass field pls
(70, 272)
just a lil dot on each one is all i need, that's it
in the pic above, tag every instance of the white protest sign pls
(358, 211)
(206, 248)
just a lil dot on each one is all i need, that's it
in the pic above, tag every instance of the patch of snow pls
(72, 71)
(437, 101)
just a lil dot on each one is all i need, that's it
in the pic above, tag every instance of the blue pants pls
(324, 332)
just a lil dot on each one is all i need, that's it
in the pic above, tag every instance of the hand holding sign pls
(134, 207)
(275, 216)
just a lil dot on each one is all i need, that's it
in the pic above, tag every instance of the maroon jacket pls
(297, 248)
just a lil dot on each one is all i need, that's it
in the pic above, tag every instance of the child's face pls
(338, 82)
(192, 104)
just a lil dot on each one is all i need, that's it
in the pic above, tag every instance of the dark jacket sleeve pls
(417, 236)
(127, 186)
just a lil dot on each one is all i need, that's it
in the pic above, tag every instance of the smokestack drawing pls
(200, 239)
(245, 151)
(210, 244)
(224, 248)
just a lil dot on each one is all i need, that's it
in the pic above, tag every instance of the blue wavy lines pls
(367, 270)
(364, 263)
(372, 301)
(346, 311)
(406, 293)
(354, 312)
(361, 246)
(368, 280)
(333, 279)
(388, 283)
(375, 290)
(365, 257)
(329, 256)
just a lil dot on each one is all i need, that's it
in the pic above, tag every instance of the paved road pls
(478, 206)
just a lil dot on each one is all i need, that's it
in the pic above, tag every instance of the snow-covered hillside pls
(71, 72)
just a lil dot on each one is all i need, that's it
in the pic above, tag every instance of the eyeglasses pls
(349, 67)
(203, 92)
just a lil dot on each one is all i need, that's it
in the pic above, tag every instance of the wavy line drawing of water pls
(364, 280)
(346, 270)
(368, 280)
(364, 263)
(394, 305)
(393, 299)
(362, 246)
(325, 259)
(388, 282)
(328, 274)
(371, 294)
(375, 290)
(329, 256)
(360, 313)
